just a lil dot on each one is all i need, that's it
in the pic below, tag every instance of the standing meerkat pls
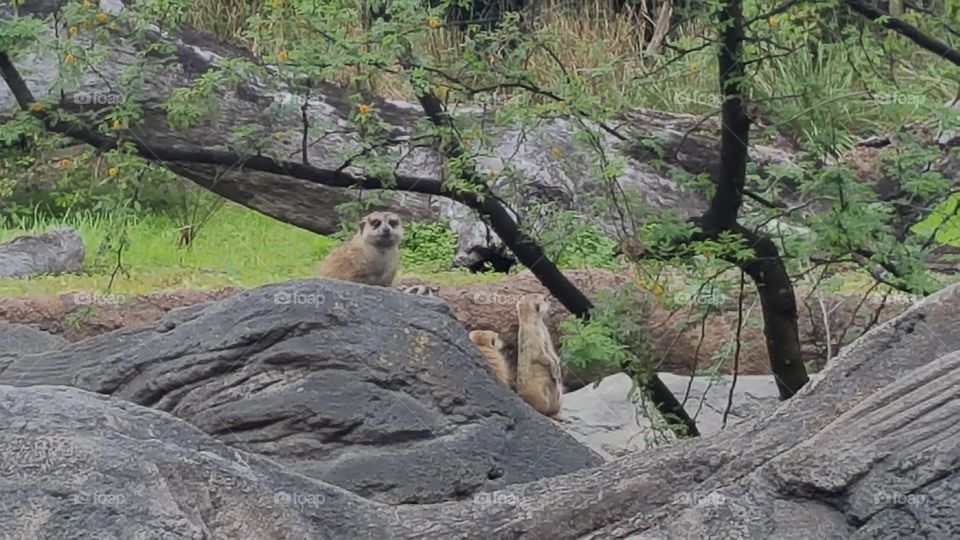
(539, 379)
(371, 256)
(491, 347)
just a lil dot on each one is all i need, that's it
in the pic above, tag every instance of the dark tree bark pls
(766, 269)
(905, 29)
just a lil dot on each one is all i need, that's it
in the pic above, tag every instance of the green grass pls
(237, 247)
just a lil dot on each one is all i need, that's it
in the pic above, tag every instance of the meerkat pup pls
(371, 256)
(539, 378)
(491, 347)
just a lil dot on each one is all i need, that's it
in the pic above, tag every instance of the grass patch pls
(237, 247)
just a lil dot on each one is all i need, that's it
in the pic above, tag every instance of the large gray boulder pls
(74, 464)
(370, 389)
(55, 252)
(867, 450)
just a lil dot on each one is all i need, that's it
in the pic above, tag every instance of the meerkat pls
(539, 378)
(491, 346)
(371, 256)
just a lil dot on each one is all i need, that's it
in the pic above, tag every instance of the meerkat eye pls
(375, 223)
(394, 223)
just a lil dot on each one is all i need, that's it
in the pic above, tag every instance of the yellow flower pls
(441, 91)
(101, 17)
(695, 67)
(657, 290)
(87, 4)
(491, 174)
(64, 163)
(73, 30)
(117, 124)
(363, 108)
(276, 3)
(465, 141)
(36, 107)
(434, 22)
(772, 21)
(113, 171)
(112, 25)
(278, 135)
(555, 151)
(283, 55)
(69, 58)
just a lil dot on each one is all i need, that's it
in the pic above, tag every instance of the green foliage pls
(428, 246)
(616, 334)
(573, 242)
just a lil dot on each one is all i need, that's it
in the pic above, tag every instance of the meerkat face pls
(531, 305)
(382, 229)
(486, 338)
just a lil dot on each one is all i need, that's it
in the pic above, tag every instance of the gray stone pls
(16, 339)
(74, 464)
(55, 252)
(609, 418)
(367, 388)
(869, 449)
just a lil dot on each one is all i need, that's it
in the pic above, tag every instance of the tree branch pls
(905, 29)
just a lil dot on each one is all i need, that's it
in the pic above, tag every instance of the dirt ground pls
(492, 306)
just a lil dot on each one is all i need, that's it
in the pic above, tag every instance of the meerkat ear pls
(363, 223)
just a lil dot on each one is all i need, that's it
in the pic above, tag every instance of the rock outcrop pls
(55, 252)
(867, 450)
(16, 339)
(614, 422)
(370, 389)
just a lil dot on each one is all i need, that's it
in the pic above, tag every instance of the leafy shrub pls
(428, 246)
(616, 335)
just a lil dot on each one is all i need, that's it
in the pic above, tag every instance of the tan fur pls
(371, 256)
(490, 346)
(539, 379)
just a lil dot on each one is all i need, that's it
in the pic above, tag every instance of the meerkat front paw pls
(421, 290)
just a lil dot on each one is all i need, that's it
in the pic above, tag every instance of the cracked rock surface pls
(366, 388)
